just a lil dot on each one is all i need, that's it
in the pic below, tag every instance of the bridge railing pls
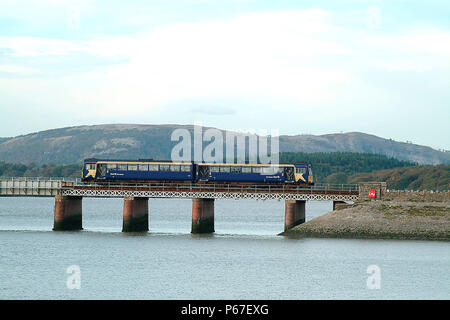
(213, 187)
(328, 186)
(64, 182)
(30, 186)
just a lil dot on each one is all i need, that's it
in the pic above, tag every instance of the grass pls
(428, 211)
(425, 211)
(390, 210)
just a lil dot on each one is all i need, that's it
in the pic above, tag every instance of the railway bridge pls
(69, 193)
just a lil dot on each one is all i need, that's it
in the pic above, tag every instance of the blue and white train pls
(123, 171)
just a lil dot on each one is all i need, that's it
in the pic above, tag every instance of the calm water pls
(244, 259)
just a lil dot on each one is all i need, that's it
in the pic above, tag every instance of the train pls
(148, 170)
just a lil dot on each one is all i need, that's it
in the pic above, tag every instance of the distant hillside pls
(73, 144)
(410, 178)
(364, 143)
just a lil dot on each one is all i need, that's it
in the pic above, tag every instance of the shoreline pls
(380, 219)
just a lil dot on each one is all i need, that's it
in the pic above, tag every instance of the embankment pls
(397, 216)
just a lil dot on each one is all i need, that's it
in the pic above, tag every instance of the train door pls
(203, 172)
(310, 175)
(289, 174)
(101, 170)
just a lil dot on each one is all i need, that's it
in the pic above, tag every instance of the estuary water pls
(243, 259)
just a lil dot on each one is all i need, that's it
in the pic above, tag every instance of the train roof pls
(204, 163)
(126, 160)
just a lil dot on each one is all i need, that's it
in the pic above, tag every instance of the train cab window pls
(256, 169)
(289, 173)
(246, 169)
(111, 166)
(143, 167)
(90, 166)
(164, 167)
(300, 170)
(122, 167)
(236, 169)
(153, 167)
(215, 169)
(132, 167)
(174, 168)
(224, 169)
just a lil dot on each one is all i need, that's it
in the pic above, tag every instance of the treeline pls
(31, 170)
(336, 167)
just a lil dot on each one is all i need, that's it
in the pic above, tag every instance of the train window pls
(224, 169)
(278, 170)
(267, 170)
(256, 169)
(214, 169)
(122, 167)
(90, 166)
(300, 170)
(236, 169)
(246, 169)
(143, 167)
(111, 166)
(153, 167)
(164, 167)
(174, 168)
(132, 167)
(185, 168)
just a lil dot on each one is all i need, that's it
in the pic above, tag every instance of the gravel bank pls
(381, 219)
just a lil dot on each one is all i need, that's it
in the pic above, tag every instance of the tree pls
(337, 178)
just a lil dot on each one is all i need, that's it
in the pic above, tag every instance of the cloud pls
(268, 63)
(373, 17)
(17, 69)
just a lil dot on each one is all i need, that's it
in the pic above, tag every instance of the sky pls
(298, 67)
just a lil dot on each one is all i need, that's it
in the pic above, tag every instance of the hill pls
(73, 144)
(358, 142)
(409, 178)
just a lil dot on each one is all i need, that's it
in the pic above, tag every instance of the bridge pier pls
(294, 213)
(135, 214)
(67, 213)
(202, 215)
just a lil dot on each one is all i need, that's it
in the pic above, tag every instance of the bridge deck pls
(51, 187)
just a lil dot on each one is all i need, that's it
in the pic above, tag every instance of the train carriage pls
(136, 170)
(300, 173)
(97, 170)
